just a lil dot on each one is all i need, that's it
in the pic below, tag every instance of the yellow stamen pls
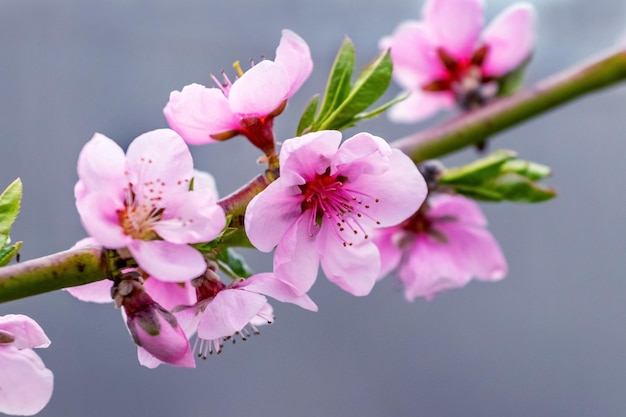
(237, 68)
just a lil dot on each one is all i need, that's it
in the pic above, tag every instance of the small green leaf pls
(511, 82)
(479, 193)
(338, 85)
(233, 263)
(7, 254)
(308, 116)
(10, 201)
(379, 110)
(370, 85)
(514, 187)
(531, 170)
(480, 170)
(500, 176)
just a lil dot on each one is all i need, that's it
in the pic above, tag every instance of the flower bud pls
(152, 327)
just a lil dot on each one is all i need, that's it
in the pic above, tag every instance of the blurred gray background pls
(549, 340)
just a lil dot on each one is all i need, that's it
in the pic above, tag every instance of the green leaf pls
(10, 201)
(514, 187)
(308, 116)
(379, 110)
(233, 263)
(338, 85)
(370, 85)
(531, 170)
(478, 171)
(500, 177)
(478, 193)
(7, 254)
(512, 81)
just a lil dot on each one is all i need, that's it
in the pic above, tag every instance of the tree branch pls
(472, 128)
(60, 270)
(82, 266)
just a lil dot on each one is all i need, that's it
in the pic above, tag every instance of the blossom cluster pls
(355, 206)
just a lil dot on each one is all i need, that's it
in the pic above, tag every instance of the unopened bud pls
(152, 327)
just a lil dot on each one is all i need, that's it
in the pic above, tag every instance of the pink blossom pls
(442, 246)
(25, 382)
(444, 59)
(223, 312)
(246, 106)
(327, 202)
(141, 201)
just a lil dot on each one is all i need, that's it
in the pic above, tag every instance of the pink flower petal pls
(269, 215)
(294, 55)
(361, 154)
(400, 191)
(456, 24)
(476, 250)
(198, 112)
(98, 214)
(304, 157)
(26, 331)
(95, 292)
(414, 55)
(188, 319)
(101, 165)
(268, 284)
(462, 210)
(203, 180)
(420, 105)
(25, 383)
(264, 316)
(431, 267)
(354, 268)
(260, 90)
(168, 261)
(191, 217)
(510, 38)
(228, 313)
(146, 359)
(159, 164)
(390, 253)
(296, 260)
(169, 346)
(170, 294)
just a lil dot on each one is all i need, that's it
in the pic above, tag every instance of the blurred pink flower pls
(246, 106)
(443, 246)
(25, 382)
(444, 58)
(327, 202)
(141, 201)
(223, 312)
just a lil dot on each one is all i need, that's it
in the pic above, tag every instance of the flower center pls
(422, 223)
(207, 288)
(465, 79)
(138, 218)
(331, 197)
(227, 83)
